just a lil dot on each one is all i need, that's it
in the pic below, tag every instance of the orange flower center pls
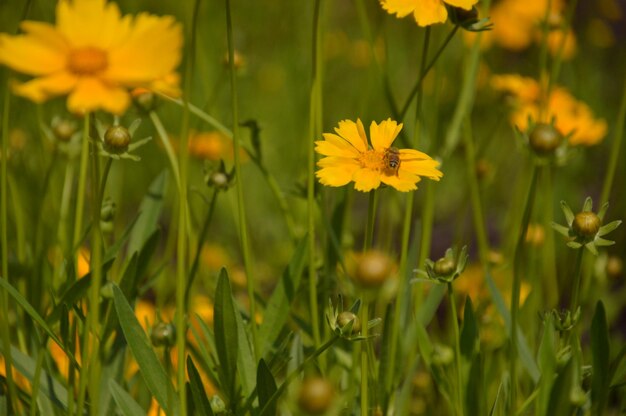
(87, 61)
(372, 159)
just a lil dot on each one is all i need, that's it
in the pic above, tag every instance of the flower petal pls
(400, 8)
(335, 146)
(152, 50)
(30, 54)
(366, 179)
(331, 161)
(428, 12)
(463, 4)
(336, 175)
(427, 168)
(403, 181)
(92, 94)
(40, 89)
(382, 135)
(353, 133)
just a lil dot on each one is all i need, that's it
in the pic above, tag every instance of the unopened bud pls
(116, 139)
(163, 335)
(544, 139)
(586, 224)
(316, 396)
(345, 318)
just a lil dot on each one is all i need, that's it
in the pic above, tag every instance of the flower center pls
(372, 159)
(87, 60)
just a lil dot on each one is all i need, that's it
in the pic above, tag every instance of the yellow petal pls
(412, 154)
(335, 147)
(427, 168)
(354, 134)
(428, 12)
(94, 23)
(382, 135)
(366, 179)
(337, 161)
(91, 94)
(336, 176)
(400, 8)
(403, 182)
(151, 51)
(463, 4)
(40, 89)
(31, 55)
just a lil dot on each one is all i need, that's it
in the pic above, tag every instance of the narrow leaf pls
(154, 375)
(266, 387)
(226, 339)
(200, 400)
(127, 405)
(469, 334)
(601, 353)
(150, 209)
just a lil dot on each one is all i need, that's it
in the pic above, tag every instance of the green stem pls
(243, 226)
(615, 150)
(578, 271)
(315, 97)
(517, 281)
(82, 184)
(269, 178)
(295, 373)
(93, 318)
(457, 349)
(558, 58)
(371, 220)
(364, 359)
(169, 150)
(37, 379)
(4, 298)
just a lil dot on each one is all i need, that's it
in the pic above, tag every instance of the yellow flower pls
(349, 157)
(425, 12)
(573, 118)
(95, 55)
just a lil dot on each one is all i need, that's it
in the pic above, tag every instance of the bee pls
(391, 158)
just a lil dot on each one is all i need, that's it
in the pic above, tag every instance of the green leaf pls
(245, 357)
(127, 405)
(547, 364)
(524, 351)
(567, 211)
(605, 229)
(601, 353)
(265, 387)
(560, 403)
(560, 229)
(112, 251)
(469, 333)
(475, 397)
(198, 394)
(277, 311)
(154, 375)
(226, 339)
(17, 296)
(150, 209)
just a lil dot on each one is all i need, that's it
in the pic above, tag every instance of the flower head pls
(425, 12)
(94, 55)
(349, 157)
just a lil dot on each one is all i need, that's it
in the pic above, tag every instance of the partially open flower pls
(585, 228)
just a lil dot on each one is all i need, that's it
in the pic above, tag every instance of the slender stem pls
(267, 175)
(315, 97)
(169, 150)
(615, 150)
(295, 373)
(82, 182)
(4, 298)
(243, 226)
(371, 219)
(517, 281)
(364, 359)
(93, 318)
(418, 85)
(558, 58)
(37, 380)
(457, 349)
(578, 271)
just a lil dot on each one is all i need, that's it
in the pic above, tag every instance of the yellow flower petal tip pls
(350, 157)
(94, 55)
(425, 12)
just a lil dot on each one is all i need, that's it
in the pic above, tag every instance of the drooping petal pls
(382, 135)
(400, 8)
(428, 12)
(366, 179)
(354, 134)
(31, 55)
(91, 94)
(151, 51)
(47, 34)
(93, 23)
(403, 181)
(40, 89)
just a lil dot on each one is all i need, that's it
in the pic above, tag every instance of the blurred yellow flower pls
(349, 157)
(573, 118)
(95, 55)
(425, 12)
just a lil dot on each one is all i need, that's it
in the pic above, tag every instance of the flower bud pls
(116, 139)
(463, 17)
(373, 269)
(163, 335)
(544, 139)
(586, 224)
(345, 318)
(144, 99)
(219, 180)
(316, 396)
(63, 129)
(106, 291)
(444, 266)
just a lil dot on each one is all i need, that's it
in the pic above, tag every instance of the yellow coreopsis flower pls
(425, 12)
(349, 157)
(95, 55)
